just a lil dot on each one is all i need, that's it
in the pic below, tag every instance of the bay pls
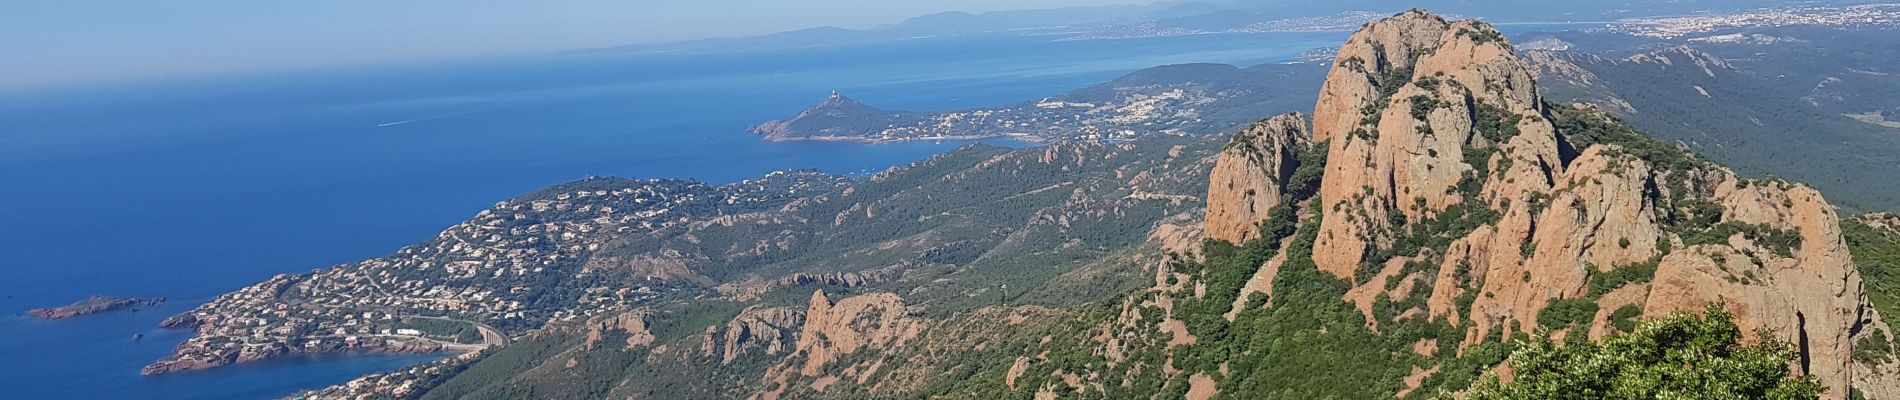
(193, 187)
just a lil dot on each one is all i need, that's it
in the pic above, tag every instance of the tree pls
(1683, 356)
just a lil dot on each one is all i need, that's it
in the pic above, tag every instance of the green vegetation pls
(1602, 282)
(1877, 252)
(1681, 356)
(1626, 317)
(1764, 121)
(1397, 72)
(1422, 106)
(1484, 35)
(1585, 128)
(1782, 241)
(1472, 182)
(1435, 232)
(1493, 123)
(498, 367)
(1272, 346)
(1567, 313)
(1874, 349)
(444, 329)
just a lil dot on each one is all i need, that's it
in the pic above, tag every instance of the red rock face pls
(1250, 175)
(1410, 111)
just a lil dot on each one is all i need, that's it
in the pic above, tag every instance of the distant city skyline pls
(60, 42)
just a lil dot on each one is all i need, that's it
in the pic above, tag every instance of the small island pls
(92, 305)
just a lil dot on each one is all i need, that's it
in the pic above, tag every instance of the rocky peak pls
(832, 330)
(836, 115)
(1441, 153)
(838, 102)
(1378, 55)
(633, 324)
(1250, 176)
(1414, 106)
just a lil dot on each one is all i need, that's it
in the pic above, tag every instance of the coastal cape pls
(93, 305)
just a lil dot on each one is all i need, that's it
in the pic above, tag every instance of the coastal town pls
(1659, 27)
(1170, 100)
(1856, 16)
(510, 269)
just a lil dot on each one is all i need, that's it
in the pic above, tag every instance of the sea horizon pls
(345, 166)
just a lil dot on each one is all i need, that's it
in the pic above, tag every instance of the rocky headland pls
(94, 305)
(1186, 99)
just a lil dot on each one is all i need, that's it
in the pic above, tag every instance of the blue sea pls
(188, 188)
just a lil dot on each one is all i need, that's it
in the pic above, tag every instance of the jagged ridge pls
(1443, 156)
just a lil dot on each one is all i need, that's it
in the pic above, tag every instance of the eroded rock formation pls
(1441, 153)
(1250, 176)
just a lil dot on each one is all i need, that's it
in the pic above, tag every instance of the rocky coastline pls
(93, 305)
(362, 345)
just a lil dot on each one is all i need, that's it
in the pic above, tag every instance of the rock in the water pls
(93, 305)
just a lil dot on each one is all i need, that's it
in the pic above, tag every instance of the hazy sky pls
(49, 42)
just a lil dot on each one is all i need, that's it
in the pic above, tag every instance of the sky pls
(56, 42)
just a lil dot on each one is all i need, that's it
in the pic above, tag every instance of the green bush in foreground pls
(1684, 356)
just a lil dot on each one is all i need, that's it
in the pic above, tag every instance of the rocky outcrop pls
(1408, 97)
(1600, 219)
(1811, 297)
(753, 289)
(866, 321)
(768, 331)
(93, 305)
(875, 322)
(1442, 154)
(1250, 176)
(633, 324)
(180, 321)
(268, 351)
(1371, 58)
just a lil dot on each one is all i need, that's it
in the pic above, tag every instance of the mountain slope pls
(1759, 125)
(1441, 216)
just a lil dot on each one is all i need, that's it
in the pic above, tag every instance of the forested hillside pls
(1439, 229)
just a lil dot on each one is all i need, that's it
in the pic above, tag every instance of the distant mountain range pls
(1180, 17)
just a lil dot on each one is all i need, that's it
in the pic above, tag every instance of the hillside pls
(1764, 113)
(1438, 228)
(1186, 99)
(1063, 218)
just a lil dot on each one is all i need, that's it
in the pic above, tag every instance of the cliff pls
(1448, 176)
(1747, 107)
(1250, 176)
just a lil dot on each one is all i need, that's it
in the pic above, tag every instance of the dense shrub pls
(1683, 356)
